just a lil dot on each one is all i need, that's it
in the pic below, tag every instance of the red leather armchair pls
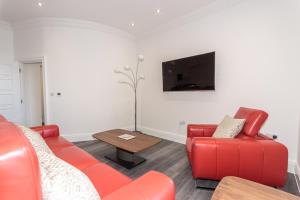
(250, 155)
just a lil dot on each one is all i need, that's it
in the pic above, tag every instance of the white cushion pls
(62, 181)
(229, 127)
(36, 140)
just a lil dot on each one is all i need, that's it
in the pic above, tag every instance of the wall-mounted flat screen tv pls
(191, 73)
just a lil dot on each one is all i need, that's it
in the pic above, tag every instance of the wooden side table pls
(234, 188)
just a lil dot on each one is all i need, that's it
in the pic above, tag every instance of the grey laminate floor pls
(169, 158)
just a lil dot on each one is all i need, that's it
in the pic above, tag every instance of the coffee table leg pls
(125, 158)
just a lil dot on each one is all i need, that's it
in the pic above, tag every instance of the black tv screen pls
(191, 73)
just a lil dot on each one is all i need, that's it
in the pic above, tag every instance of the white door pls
(32, 92)
(10, 101)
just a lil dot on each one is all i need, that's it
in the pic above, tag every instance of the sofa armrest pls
(201, 130)
(151, 186)
(263, 161)
(47, 131)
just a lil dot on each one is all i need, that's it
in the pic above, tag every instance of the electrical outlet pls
(182, 123)
(273, 136)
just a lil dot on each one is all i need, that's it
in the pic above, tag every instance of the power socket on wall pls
(182, 123)
(273, 136)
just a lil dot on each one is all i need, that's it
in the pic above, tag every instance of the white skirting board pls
(297, 175)
(164, 134)
(79, 137)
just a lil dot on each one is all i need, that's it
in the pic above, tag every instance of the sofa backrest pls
(19, 169)
(254, 120)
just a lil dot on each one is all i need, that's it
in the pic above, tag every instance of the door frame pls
(44, 83)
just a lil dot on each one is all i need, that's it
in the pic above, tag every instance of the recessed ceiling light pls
(40, 4)
(132, 24)
(157, 10)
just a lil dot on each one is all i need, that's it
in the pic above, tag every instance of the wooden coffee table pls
(126, 150)
(232, 188)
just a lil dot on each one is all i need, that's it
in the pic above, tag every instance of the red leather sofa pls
(250, 155)
(20, 175)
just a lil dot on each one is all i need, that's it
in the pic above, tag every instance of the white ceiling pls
(116, 13)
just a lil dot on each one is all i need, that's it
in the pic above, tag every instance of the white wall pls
(257, 65)
(6, 44)
(79, 61)
(257, 45)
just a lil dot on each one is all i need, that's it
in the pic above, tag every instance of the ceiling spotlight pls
(40, 4)
(158, 11)
(132, 24)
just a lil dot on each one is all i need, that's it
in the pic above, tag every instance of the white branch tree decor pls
(133, 79)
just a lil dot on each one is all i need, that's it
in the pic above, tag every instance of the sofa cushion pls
(76, 157)
(35, 139)
(229, 128)
(106, 179)
(62, 181)
(254, 120)
(56, 143)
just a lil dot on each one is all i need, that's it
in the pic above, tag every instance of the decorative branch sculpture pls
(133, 81)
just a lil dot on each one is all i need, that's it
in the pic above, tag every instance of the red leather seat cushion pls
(254, 120)
(106, 179)
(151, 185)
(76, 157)
(56, 143)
